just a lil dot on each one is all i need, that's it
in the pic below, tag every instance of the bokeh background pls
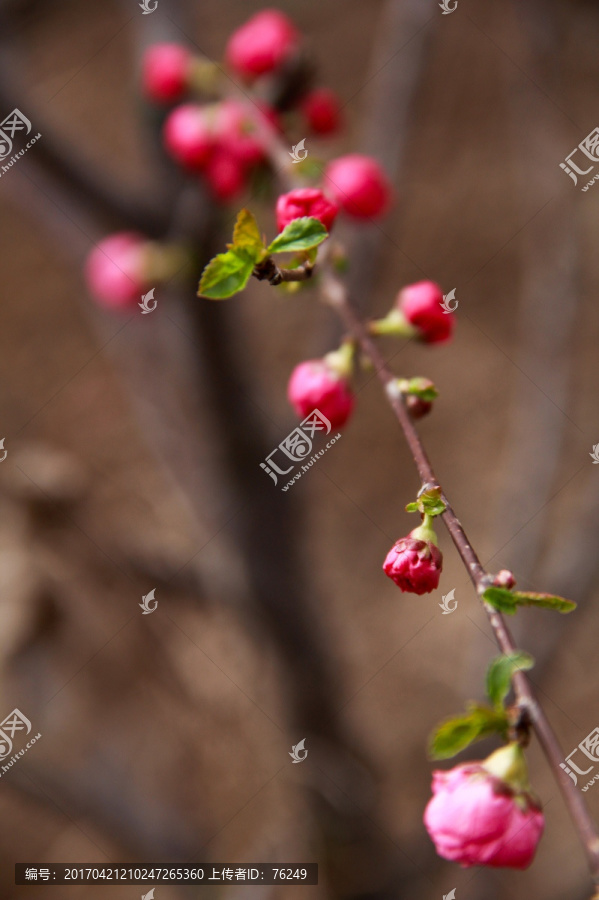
(134, 445)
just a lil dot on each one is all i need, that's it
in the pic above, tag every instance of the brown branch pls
(335, 294)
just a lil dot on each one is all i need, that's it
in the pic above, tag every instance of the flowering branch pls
(224, 141)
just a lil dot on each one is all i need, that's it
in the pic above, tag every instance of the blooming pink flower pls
(115, 270)
(322, 111)
(414, 565)
(421, 305)
(189, 136)
(305, 202)
(476, 818)
(359, 185)
(314, 384)
(165, 72)
(266, 41)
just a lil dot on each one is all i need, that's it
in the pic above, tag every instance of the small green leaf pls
(423, 388)
(300, 234)
(226, 274)
(246, 234)
(431, 502)
(412, 507)
(500, 672)
(455, 734)
(508, 601)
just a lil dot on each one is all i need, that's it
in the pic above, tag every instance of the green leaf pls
(246, 235)
(508, 601)
(300, 234)
(412, 507)
(226, 274)
(423, 388)
(500, 672)
(455, 734)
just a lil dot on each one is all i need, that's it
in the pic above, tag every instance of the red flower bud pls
(322, 111)
(266, 41)
(314, 384)
(414, 565)
(359, 185)
(165, 72)
(421, 305)
(236, 132)
(476, 818)
(225, 175)
(189, 136)
(305, 202)
(116, 270)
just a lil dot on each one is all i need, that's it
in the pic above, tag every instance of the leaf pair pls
(228, 273)
(480, 721)
(428, 503)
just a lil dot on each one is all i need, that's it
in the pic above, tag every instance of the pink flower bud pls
(421, 305)
(316, 385)
(115, 270)
(322, 111)
(165, 72)
(414, 565)
(225, 175)
(359, 185)
(305, 202)
(188, 136)
(478, 819)
(237, 134)
(266, 41)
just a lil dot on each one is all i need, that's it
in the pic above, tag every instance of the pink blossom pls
(421, 305)
(315, 385)
(305, 202)
(266, 41)
(475, 818)
(414, 565)
(359, 185)
(115, 270)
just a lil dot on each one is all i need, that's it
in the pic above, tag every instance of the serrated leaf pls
(501, 671)
(457, 733)
(246, 234)
(300, 234)
(226, 274)
(507, 602)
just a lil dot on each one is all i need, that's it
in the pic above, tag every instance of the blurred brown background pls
(134, 446)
